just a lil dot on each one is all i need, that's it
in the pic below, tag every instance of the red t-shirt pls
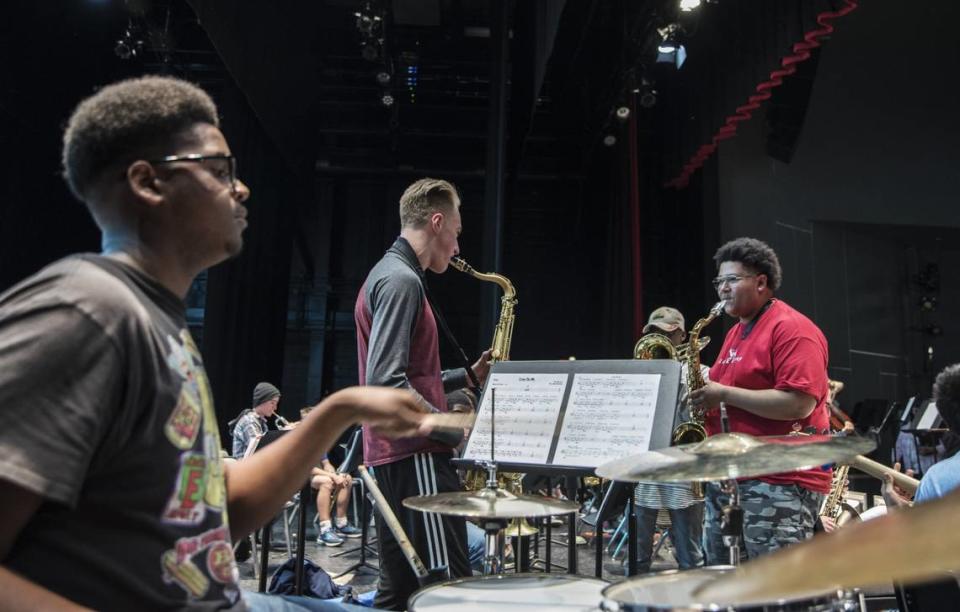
(785, 351)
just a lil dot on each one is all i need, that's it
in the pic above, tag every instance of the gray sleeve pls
(395, 302)
(454, 379)
(60, 375)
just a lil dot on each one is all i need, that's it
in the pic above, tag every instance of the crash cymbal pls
(735, 455)
(489, 504)
(908, 545)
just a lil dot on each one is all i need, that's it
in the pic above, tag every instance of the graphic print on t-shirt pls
(199, 486)
(731, 357)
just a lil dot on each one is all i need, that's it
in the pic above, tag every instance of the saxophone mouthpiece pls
(460, 264)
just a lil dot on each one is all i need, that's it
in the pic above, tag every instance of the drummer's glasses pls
(222, 166)
(731, 280)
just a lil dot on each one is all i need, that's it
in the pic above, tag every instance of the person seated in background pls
(329, 483)
(251, 424)
(944, 476)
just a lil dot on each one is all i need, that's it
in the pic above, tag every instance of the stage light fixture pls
(368, 21)
(669, 49)
(128, 45)
(369, 52)
(646, 94)
(689, 5)
(387, 99)
(669, 39)
(383, 78)
(609, 140)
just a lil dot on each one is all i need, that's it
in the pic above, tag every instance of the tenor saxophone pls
(500, 351)
(503, 334)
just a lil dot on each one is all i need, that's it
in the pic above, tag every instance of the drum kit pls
(824, 573)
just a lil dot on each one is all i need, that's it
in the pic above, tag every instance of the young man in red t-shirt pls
(772, 375)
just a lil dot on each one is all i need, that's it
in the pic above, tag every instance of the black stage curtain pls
(246, 302)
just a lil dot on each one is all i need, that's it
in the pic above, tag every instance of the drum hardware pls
(909, 545)
(494, 507)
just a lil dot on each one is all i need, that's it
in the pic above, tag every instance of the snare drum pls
(673, 591)
(527, 592)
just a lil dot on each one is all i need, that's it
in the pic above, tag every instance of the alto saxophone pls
(833, 504)
(693, 430)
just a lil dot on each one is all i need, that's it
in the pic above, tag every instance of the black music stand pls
(927, 427)
(618, 495)
(265, 440)
(351, 461)
(661, 428)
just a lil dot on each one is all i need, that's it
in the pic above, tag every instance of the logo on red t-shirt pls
(731, 357)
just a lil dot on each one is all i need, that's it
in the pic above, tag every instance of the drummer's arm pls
(777, 404)
(258, 486)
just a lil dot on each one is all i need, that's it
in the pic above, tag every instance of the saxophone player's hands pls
(482, 367)
(708, 397)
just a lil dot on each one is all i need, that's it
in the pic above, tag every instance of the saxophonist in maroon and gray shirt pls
(398, 346)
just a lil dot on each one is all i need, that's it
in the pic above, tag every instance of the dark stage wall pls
(869, 200)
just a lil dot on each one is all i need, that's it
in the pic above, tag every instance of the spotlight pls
(383, 78)
(688, 5)
(669, 39)
(609, 140)
(928, 303)
(669, 49)
(622, 113)
(128, 45)
(367, 20)
(387, 99)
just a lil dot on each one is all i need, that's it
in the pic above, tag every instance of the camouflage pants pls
(774, 516)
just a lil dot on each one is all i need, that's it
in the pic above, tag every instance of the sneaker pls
(348, 531)
(329, 538)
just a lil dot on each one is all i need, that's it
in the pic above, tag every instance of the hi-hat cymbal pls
(907, 545)
(490, 504)
(735, 455)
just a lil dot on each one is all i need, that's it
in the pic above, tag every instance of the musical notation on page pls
(608, 416)
(526, 412)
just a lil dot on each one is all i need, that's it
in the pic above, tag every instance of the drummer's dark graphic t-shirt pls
(108, 416)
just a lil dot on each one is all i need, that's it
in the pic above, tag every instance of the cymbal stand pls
(493, 528)
(731, 525)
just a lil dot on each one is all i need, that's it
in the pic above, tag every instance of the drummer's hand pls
(894, 496)
(394, 413)
(708, 396)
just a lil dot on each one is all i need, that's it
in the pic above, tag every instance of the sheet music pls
(608, 416)
(526, 411)
(929, 417)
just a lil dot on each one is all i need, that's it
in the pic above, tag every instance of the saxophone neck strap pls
(451, 338)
